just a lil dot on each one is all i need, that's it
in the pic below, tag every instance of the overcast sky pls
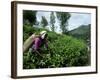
(75, 20)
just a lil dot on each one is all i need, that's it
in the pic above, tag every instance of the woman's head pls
(43, 34)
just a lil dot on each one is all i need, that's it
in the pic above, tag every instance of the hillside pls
(82, 32)
(65, 51)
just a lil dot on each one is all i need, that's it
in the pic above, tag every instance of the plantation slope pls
(65, 51)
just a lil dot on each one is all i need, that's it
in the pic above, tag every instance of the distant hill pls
(82, 32)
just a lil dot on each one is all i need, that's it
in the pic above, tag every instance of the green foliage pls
(63, 18)
(29, 17)
(52, 21)
(65, 51)
(44, 22)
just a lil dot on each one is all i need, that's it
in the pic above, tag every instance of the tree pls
(63, 19)
(44, 22)
(52, 21)
(29, 17)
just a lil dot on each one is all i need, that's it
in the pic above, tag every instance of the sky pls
(75, 20)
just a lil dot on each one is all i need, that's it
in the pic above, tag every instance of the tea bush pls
(65, 51)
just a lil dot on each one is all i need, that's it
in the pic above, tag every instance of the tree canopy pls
(44, 22)
(63, 18)
(52, 21)
(29, 17)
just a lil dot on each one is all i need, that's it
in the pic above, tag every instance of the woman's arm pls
(46, 44)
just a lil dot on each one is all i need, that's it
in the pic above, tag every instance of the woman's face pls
(46, 35)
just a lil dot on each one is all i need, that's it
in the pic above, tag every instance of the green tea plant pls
(65, 51)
